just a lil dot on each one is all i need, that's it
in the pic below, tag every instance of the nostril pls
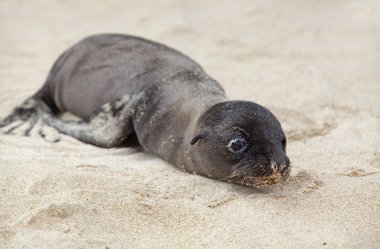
(280, 164)
(284, 167)
(275, 167)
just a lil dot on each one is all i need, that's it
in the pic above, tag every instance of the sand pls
(315, 64)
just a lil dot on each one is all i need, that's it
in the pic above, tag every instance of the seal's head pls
(240, 142)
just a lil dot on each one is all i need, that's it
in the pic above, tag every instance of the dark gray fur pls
(120, 85)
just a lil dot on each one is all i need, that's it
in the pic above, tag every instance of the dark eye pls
(237, 145)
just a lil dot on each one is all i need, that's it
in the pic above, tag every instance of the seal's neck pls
(187, 161)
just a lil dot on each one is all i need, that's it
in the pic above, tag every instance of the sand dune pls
(316, 65)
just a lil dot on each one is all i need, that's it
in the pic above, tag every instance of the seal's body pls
(122, 85)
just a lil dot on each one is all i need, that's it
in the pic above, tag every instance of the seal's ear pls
(198, 137)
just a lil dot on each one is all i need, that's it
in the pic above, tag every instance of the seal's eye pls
(237, 145)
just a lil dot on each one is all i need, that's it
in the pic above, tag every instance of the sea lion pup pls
(120, 85)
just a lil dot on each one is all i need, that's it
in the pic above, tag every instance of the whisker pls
(248, 168)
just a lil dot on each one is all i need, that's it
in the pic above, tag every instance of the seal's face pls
(243, 143)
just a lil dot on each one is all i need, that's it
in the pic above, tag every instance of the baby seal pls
(122, 85)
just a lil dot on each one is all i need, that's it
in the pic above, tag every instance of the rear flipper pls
(108, 127)
(26, 118)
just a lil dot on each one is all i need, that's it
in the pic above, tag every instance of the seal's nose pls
(280, 163)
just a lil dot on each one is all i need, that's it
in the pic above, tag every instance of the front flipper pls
(108, 127)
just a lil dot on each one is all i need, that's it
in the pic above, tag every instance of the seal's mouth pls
(278, 177)
(266, 181)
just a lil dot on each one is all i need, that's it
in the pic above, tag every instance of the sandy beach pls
(314, 64)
